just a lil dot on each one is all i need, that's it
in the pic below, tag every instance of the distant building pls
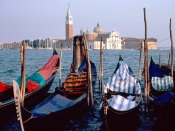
(68, 42)
(135, 43)
(110, 40)
(69, 24)
(12, 45)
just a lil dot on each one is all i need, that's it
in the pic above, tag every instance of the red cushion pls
(32, 86)
(4, 87)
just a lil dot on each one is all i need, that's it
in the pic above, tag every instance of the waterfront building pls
(12, 45)
(135, 43)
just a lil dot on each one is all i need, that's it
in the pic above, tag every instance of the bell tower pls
(69, 24)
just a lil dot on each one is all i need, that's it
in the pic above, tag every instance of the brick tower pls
(69, 24)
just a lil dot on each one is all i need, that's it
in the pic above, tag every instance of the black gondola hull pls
(56, 119)
(60, 118)
(8, 108)
(31, 99)
(120, 120)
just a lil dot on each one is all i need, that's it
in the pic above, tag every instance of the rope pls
(163, 40)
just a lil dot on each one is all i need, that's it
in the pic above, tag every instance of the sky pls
(41, 19)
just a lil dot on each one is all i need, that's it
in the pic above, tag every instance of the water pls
(91, 120)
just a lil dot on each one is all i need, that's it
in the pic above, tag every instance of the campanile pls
(69, 24)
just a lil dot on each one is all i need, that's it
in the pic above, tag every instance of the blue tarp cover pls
(53, 104)
(166, 97)
(154, 70)
(121, 81)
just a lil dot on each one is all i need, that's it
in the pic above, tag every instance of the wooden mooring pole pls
(23, 77)
(140, 62)
(76, 54)
(171, 49)
(60, 76)
(89, 73)
(169, 60)
(159, 60)
(101, 66)
(101, 86)
(146, 70)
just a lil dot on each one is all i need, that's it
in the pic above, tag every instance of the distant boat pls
(49, 48)
(129, 49)
(28, 47)
(164, 48)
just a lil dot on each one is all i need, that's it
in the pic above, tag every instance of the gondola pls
(65, 101)
(161, 86)
(36, 85)
(122, 95)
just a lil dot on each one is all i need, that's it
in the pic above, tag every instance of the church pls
(110, 40)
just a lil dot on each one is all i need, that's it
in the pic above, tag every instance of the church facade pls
(110, 40)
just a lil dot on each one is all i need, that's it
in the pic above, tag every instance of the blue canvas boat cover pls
(121, 81)
(118, 102)
(82, 66)
(154, 70)
(166, 97)
(56, 103)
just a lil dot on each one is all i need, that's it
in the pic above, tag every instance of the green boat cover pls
(36, 77)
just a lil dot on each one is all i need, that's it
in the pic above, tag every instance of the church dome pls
(98, 29)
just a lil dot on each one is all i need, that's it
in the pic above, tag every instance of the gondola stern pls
(118, 65)
(54, 52)
(151, 61)
(120, 57)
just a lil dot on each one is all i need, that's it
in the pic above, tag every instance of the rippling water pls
(90, 120)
